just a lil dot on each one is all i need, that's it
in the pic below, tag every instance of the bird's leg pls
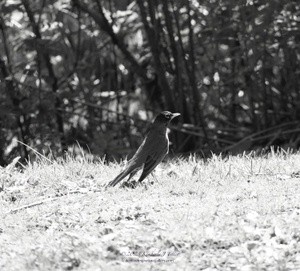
(130, 184)
(130, 176)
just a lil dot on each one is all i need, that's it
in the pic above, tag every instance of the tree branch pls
(104, 25)
(54, 85)
(155, 50)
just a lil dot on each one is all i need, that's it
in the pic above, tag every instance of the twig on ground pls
(40, 202)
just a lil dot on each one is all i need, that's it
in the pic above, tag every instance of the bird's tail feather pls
(119, 178)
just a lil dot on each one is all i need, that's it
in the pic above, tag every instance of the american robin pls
(151, 152)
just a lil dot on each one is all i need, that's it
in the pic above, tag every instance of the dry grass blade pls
(35, 151)
(11, 166)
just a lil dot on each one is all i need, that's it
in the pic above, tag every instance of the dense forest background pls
(93, 73)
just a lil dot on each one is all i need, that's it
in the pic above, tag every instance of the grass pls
(237, 213)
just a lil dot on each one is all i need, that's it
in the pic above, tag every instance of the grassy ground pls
(238, 213)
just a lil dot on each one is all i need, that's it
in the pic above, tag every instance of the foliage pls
(84, 70)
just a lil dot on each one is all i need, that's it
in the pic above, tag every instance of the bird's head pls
(165, 117)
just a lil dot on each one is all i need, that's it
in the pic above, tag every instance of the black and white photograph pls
(150, 135)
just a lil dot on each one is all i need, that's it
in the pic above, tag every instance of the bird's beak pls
(174, 115)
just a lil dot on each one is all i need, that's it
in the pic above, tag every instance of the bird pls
(151, 152)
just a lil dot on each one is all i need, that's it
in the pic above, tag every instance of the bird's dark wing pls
(151, 152)
(150, 164)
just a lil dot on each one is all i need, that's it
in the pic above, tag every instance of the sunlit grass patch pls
(224, 213)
